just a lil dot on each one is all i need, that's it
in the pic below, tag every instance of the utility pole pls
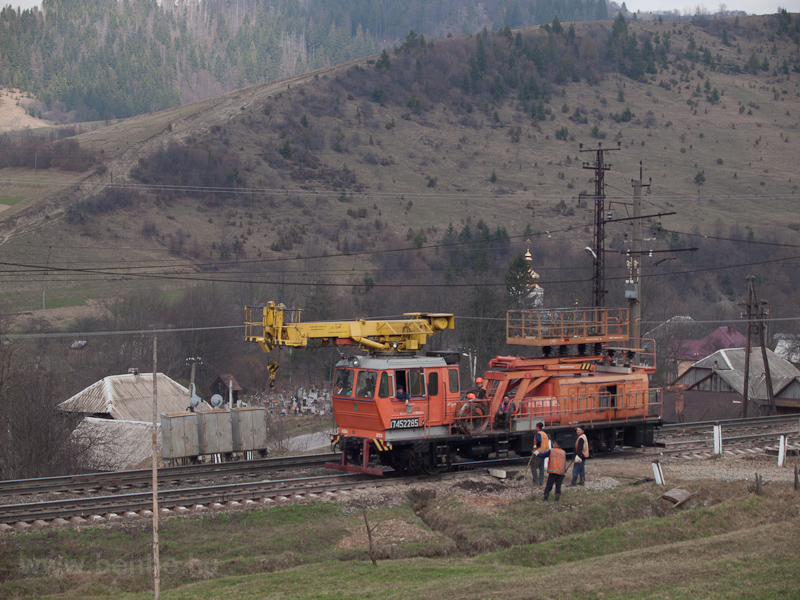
(156, 550)
(633, 288)
(759, 308)
(599, 167)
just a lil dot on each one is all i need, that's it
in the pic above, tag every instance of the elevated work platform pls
(565, 326)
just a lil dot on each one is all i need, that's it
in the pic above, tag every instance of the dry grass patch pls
(390, 532)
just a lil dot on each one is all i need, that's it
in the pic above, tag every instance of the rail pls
(752, 421)
(167, 475)
(140, 501)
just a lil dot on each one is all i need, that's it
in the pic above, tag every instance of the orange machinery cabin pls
(365, 396)
(566, 390)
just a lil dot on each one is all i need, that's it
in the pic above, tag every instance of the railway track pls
(677, 428)
(125, 506)
(118, 480)
(747, 436)
(753, 435)
(115, 507)
(119, 507)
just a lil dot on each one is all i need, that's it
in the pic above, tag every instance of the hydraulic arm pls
(280, 326)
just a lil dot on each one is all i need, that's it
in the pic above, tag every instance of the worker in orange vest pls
(506, 409)
(540, 442)
(581, 454)
(556, 468)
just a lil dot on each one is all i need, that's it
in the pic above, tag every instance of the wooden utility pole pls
(760, 310)
(599, 167)
(764, 312)
(156, 558)
(746, 386)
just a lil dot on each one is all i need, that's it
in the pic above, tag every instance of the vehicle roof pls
(393, 362)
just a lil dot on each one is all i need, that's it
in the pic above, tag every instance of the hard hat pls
(470, 396)
(479, 380)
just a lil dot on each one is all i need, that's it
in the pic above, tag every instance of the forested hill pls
(100, 59)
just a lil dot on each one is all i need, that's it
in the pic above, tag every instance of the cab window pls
(365, 386)
(453, 375)
(385, 388)
(343, 382)
(433, 384)
(416, 383)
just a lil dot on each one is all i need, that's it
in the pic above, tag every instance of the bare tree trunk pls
(371, 551)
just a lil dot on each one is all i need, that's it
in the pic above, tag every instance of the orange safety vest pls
(585, 445)
(545, 441)
(558, 462)
(507, 406)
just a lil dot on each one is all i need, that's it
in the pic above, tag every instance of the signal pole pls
(599, 167)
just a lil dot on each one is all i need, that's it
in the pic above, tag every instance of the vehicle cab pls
(366, 403)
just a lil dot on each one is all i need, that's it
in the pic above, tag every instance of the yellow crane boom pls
(281, 326)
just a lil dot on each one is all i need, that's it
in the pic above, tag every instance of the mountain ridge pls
(399, 170)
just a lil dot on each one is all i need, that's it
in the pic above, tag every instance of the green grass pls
(10, 200)
(624, 543)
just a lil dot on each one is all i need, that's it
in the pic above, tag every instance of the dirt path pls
(145, 134)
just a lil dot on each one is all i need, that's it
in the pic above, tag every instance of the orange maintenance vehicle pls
(598, 379)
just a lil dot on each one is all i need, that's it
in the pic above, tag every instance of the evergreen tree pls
(384, 63)
(518, 279)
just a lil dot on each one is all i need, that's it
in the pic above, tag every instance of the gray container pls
(214, 431)
(249, 429)
(179, 435)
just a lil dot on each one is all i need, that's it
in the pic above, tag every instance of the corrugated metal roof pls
(728, 365)
(129, 397)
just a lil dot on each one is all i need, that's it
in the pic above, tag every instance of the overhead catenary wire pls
(426, 194)
(429, 247)
(258, 278)
(173, 330)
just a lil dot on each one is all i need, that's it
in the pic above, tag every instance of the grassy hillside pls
(465, 539)
(479, 132)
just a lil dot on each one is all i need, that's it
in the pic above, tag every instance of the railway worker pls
(402, 395)
(481, 390)
(540, 442)
(504, 412)
(556, 468)
(581, 454)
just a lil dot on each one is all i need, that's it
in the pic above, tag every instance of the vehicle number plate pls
(403, 423)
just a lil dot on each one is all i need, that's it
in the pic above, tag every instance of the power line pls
(129, 332)
(365, 194)
(197, 278)
(728, 239)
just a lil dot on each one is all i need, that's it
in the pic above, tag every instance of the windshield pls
(343, 382)
(366, 384)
